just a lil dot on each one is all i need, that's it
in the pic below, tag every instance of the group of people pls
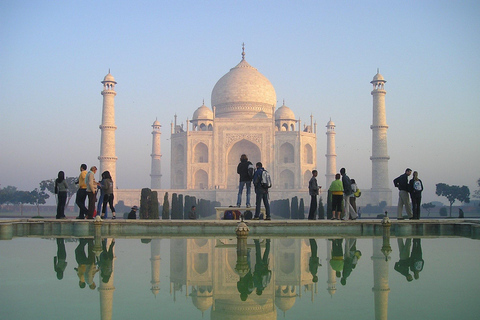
(344, 193)
(409, 190)
(248, 175)
(88, 187)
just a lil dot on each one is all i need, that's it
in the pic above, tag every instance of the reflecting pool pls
(249, 278)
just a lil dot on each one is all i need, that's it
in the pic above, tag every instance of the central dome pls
(243, 93)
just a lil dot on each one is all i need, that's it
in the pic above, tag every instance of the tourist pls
(192, 214)
(416, 265)
(106, 260)
(261, 191)
(347, 194)
(91, 191)
(59, 261)
(61, 190)
(416, 188)
(100, 196)
(91, 267)
(314, 261)
(401, 182)
(81, 192)
(245, 170)
(353, 198)
(336, 188)
(133, 213)
(350, 259)
(313, 190)
(108, 194)
(336, 262)
(82, 261)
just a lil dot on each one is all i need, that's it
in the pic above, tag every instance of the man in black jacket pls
(245, 170)
(401, 182)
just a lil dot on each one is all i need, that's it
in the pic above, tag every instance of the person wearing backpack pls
(347, 194)
(245, 170)
(262, 182)
(415, 188)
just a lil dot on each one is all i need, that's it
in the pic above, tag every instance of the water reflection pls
(60, 260)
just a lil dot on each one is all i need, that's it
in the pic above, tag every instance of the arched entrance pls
(243, 146)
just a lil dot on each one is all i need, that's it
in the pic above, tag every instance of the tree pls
(166, 208)
(428, 206)
(7, 195)
(49, 185)
(294, 208)
(301, 210)
(36, 197)
(476, 193)
(453, 193)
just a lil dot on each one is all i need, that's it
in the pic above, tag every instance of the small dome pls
(156, 123)
(109, 77)
(284, 113)
(202, 303)
(285, 303)
(330, 123)
(203, 113)
(378, 77)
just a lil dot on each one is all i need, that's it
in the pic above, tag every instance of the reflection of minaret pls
(331, 154)
(155, 172)
(107, 156)
(106, 291)
(331, 274)
(155, 262)
(380, 184)
(380, 280)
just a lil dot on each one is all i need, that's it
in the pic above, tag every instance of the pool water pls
(218, 278)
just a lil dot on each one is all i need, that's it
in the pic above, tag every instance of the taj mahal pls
(244, 119)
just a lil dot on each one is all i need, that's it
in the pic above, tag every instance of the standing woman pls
(416, 188)
(61, 189)
(108, 193)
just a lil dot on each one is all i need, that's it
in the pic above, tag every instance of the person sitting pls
(133, 213)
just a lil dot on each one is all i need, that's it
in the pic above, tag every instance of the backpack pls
(248, 215)
(251, 170)
(417, 185)
(228, 215)
(266, 181)
(357, 193)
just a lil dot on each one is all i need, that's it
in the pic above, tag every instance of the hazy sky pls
(167, 56)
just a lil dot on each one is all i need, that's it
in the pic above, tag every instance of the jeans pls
(312, 214)
(80, 201)
(62, 200)
(240, 190)
(262, 197)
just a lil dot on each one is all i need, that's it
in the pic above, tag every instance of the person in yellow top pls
(336, 187)
(82, 192)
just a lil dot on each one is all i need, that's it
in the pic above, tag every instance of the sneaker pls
(80, 218)
(248, 206)
(268, 218)
(400, 218)
(114, 217)
(256, 218)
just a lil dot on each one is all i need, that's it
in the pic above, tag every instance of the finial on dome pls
(283, 101)
(378, 70)
(243, 51)
(203, 102)
(108, 70)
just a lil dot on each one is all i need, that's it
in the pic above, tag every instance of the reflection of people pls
(415, 188)
(261, 193)
(82, 261)
(90, 268)
(81, 192)
(336, 188)
(336, 262)
(91, 191)
(313, 189)
(401, 182)
(192, 214)
(245, 285)
(261, 275)
(133, 213)
(59, 262)
(61, 189)
(106, 260)
(351, 257)
(403, 265)
(245, 170)
(416, 258)
(314, 262)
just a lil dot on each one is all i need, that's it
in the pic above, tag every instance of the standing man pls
(91, 191)
(245, 171)
(261, 190)
(81, 192)
(347, 193)
(192, 215)
(401, 182)
(313, 189)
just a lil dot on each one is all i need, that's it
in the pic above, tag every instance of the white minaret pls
(155, 172)
(155, 264)
(331, 155)
(107, 157)
(380, 186)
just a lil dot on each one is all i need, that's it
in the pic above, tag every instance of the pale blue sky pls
(167, 56)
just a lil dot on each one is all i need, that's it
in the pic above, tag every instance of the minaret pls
(331, 155)
(380, 185)
(107, 156)
(155, 172)
(331, 274)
